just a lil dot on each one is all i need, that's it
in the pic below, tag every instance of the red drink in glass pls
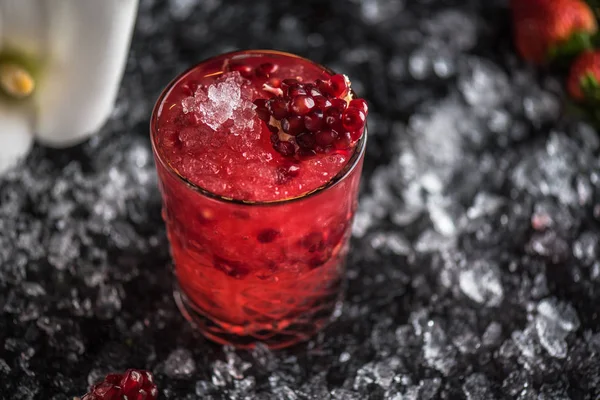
(258, 237)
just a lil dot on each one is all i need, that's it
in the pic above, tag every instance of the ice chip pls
(179, 364)
(484, 85)
(477, 387)
(562, 313)
(436, 350)
(377, 11)
(481, 282)
(222, 101)
(224, 98)
(189, 104)
(455, 27)
(551, 336)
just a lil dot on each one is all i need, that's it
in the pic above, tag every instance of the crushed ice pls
(222, 101)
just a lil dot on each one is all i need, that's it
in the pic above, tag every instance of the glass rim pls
(357, 154)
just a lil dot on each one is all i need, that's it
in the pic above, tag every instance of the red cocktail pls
(259, 156)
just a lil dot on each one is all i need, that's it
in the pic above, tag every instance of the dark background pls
(474, 272)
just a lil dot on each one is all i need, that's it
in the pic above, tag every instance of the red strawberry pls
(543, 27)
(134, 384)
(584, 78)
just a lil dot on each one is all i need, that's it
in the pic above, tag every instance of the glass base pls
(276, 335)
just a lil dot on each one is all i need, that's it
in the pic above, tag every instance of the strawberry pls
(544, 29)
(584, 78)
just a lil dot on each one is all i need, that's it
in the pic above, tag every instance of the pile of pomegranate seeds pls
(134, 384)
(308, 118)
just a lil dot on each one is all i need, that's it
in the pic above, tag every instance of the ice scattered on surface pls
(484, 85)
(436, 350)
(180, 364)
(470, 160)
(455, 27)
(481, 282)
(476, 387)
(377, 11)
(553, 323)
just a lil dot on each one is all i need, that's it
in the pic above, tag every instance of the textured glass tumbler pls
(250, 272)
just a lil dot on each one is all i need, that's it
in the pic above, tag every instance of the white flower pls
(61, 62)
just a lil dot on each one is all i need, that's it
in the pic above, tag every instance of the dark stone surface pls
(475, 268)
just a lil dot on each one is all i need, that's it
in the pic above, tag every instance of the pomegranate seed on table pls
(134, 384)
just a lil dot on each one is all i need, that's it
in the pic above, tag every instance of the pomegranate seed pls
(338, 103)
(344, 141)
(267, 235)
(326, 137)
(266, 69)
(278, 107)
(301, 105)
(285, 148)
(296, 90)
(261, 109)
(332, 116)
(132, 382)
(339, 86)
(324, 87)
(285, 174)
(286, 83)
(148, 376)
(274, 137)
(313, 121)
(306, 140)
(354, 119)
(235, 269)
(141, 395)
(313, 242)
(322, 102)
(244, 69)
(312, 90)
(355, 135)
(292, 125)
(106, 390)
(114, 379)
(360, 104)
